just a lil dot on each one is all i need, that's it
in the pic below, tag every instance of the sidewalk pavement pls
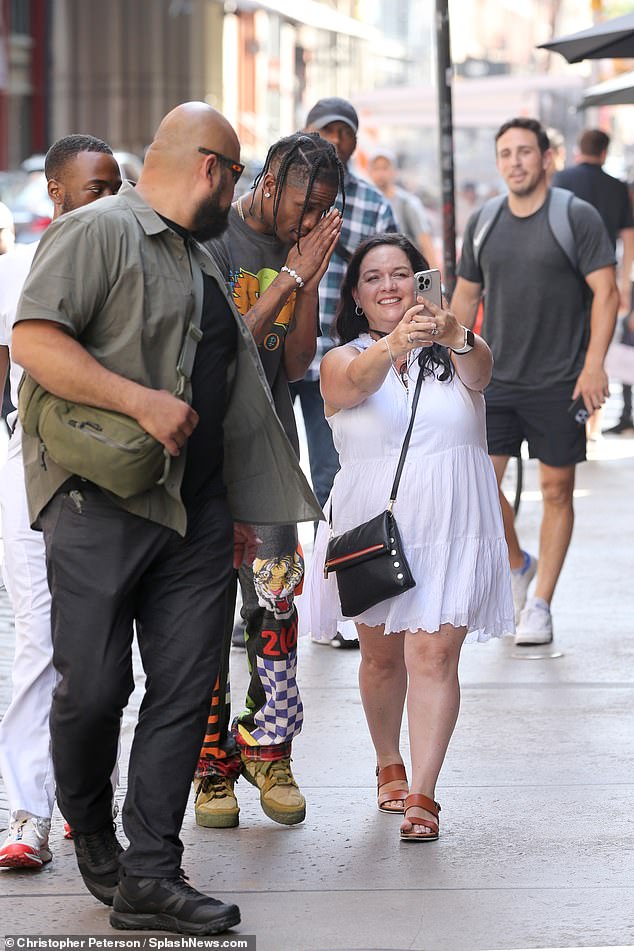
(537, 827)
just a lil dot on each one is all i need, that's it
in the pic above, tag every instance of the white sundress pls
(447, 510)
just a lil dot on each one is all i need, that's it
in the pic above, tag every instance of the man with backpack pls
(548, 267)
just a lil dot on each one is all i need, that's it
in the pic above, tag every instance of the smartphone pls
(429, 284)
(578, 411)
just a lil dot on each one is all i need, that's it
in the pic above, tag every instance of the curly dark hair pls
(349, 324)
(300, 160)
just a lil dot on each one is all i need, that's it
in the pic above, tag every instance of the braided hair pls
(349, 324)
(300, 160)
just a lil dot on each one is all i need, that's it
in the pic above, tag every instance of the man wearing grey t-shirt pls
(549, 325)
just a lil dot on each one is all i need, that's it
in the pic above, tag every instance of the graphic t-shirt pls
(250, 262)
(536, 307)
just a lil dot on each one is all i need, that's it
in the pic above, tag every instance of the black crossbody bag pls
(369, 560)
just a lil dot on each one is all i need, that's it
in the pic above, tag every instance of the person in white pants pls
(79, 169)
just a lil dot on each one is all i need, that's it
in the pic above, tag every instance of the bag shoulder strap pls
(409, 221)
(559, 222)
(405, 446)
(487, 217)
(193, 333)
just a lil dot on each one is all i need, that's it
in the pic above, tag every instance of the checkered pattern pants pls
(273, 713)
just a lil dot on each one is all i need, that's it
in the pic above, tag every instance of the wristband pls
(469, 342)
(294, 275)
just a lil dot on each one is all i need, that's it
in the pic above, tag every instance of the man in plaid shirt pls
(366, 212)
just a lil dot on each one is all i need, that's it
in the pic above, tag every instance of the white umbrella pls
(613, 92)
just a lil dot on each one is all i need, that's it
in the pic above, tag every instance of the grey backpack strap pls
(410, 222)
(559, 221)
(486, 218)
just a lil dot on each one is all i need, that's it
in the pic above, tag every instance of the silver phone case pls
(429, 284)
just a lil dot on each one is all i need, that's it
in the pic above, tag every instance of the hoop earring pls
(267, 194)
(358, 311)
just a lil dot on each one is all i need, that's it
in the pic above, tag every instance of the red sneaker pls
(26, 846)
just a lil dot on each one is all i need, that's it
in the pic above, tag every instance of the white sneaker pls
(520, 583)
(26, 846)
(323, 639)
(535, 625)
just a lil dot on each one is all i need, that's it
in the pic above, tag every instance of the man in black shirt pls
(611, 198)
(114, 290)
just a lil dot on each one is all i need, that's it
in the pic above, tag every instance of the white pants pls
(25, 741)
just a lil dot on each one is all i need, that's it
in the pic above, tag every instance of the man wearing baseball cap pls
(366, 212)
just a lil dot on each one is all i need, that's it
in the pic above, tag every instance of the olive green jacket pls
(125, 285)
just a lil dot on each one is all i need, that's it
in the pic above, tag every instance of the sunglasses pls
(236, 168)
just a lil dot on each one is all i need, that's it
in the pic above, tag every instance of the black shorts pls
(538, 416)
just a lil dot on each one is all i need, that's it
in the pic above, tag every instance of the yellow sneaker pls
(216, 806)
(280, 797)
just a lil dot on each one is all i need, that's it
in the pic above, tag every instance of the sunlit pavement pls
(537, 789)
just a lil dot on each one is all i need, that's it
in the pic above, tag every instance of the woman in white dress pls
(447, 511)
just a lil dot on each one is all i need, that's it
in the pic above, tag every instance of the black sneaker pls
(621, 427)
(344, 643)
(169, 904)
(98, 859)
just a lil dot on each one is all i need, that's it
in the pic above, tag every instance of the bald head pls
(188, 162)
(188, 127)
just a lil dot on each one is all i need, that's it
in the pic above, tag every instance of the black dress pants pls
(108, 569)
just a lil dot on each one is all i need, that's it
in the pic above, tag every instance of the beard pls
(210, 219)
(529, 186)
(68, 204)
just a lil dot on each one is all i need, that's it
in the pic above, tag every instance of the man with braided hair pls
(276, 249)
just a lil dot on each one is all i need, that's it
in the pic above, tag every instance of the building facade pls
(113, 70)
(23, 79)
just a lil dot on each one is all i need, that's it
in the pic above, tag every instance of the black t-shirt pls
(202, 478)
(536, 308)
(607, 194)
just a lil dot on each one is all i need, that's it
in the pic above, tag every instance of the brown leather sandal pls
(418, 801)
(395, 778)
